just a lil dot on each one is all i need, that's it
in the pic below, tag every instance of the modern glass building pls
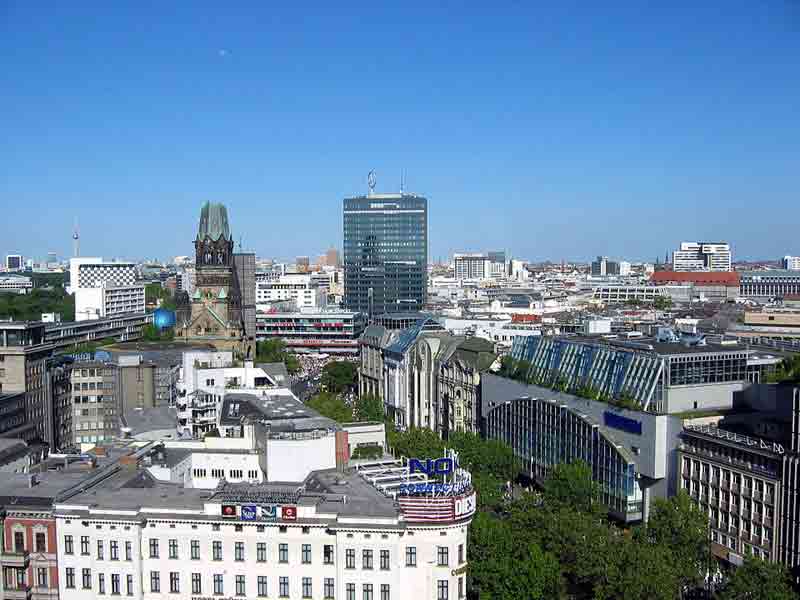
(385, 253)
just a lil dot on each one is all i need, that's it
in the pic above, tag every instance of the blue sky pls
(552, 129)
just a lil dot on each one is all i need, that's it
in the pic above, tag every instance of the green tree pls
(417, 443)
(331, 406)
(678, 525)
(571, 485)
(662, 303)
(757, 579)
(506, 565)
(507, 366)
(484, 456)
(339, 376)
(369, 407)
(639, 570)
(274, 351)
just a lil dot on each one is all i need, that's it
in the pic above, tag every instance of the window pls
(261, 552)
(262, 586)
(238, 551)
(101, 584)
(99, 549)
(327, 554)
(411, 556)
(218, 473)
(385, 591)
(41, 542)
(86, 579)
(349, 559)
(366, 559)
(41, 577)
(460, 553)
(197, 586)
(367, 591)
(85, 545)
(174, 582)
(173, 548)
(441, 590)
(443, 556)
(216, 549)
(283, 587)
(306, 554)
(129, 585)
(351, 591)
(384, 560)
(240, 585)
(155, 581)
(328, 588)
(115, 584)
(113, 549)
(195, 549)
(70, 577)
(460, 587)
(283, 553)
(306, 587)
(153, 548)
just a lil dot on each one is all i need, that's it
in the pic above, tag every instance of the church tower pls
(215, 315)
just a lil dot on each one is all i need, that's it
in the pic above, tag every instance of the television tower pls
(75, 240)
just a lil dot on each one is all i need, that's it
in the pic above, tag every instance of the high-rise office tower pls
(385, 252)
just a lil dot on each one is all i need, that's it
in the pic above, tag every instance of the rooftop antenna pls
(402, 180)
(75, 240)
(371, 181)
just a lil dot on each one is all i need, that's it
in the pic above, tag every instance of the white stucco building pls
(372, 532)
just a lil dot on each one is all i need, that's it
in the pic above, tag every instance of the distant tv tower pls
(75, 240)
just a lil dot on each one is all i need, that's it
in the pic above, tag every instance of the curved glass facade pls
(544, 433)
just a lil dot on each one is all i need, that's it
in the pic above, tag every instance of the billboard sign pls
(229, 511)
(247, 512)
(268, 512)
(622, 423)
(289, 513)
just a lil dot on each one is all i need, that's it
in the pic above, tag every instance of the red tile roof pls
(728, 278)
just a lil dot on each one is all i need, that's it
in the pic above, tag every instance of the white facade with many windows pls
(702, 256)
(296, 287)
(339, 534)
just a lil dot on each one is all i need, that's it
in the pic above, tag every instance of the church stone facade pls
(214, 313)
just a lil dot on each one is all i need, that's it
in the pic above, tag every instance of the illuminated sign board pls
(616, 421)
(440, 466)
(247, 512)
(229, 511)
(289, 513)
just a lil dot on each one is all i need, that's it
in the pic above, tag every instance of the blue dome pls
(163, 318)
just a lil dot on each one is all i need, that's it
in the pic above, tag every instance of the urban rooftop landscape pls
(523, 330)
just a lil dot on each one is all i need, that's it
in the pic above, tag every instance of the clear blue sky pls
(552, 129)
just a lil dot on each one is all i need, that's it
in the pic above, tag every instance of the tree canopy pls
(274, 350)
(368, 407)
(339, 376)
(30, 306)
(331, 406)
(757, 579)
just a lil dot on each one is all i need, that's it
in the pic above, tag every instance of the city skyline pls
(545, 125)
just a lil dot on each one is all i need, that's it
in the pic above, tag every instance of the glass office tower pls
(385, 253)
